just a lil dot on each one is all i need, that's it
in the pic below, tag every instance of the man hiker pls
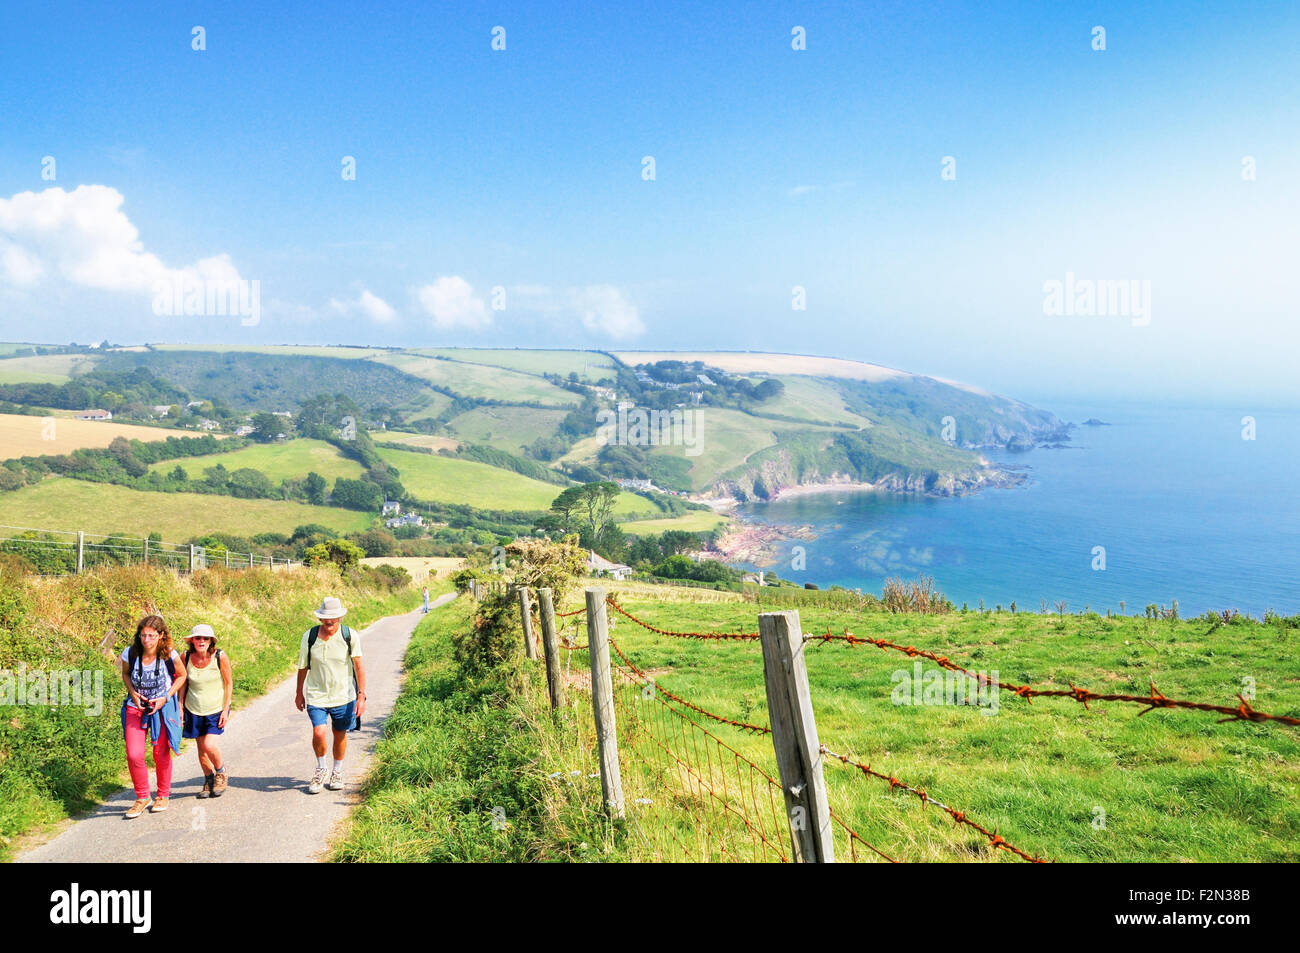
(426, 598)
(331, 687)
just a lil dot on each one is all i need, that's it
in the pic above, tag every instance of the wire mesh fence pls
(52, 552)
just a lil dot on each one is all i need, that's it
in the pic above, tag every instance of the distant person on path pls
(426, 598)
(205, 698)
(331, 686)
(151, 712)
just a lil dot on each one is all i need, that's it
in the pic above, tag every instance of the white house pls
(391, 508)
(206, 424)
(162, 410)
(410, 519)
(598, 565)
(95, 415)
(243, 431)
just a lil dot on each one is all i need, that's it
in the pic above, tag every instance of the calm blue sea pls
(1185, 508)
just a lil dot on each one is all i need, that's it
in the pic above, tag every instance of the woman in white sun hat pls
(206, 701)
(331, 687)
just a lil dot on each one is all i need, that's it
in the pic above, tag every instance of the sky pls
(915, 178)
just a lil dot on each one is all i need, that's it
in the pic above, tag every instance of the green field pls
(588, 365)
(695, 521)
(65, 504)
(1174, 785)
(725, 439)
(813, 400)
(480, 380)
(44, 368)
(439, 479)
(292, 459)
(506, 428)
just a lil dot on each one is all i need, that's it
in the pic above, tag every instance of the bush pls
(919, 596)
(338, 551)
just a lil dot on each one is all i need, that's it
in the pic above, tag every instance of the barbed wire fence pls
(697, 796)
(54, 552)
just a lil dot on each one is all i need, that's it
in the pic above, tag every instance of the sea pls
(1194, 504)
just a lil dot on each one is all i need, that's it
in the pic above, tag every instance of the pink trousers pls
(137, 739)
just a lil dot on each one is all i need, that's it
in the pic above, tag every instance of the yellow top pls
(205, 692)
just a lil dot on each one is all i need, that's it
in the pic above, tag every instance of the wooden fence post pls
(526, 620)
(227, 559)
(191, 557)
(550, 648)
(602, 702)
(81, 550)
(794, 736)
(146, 550)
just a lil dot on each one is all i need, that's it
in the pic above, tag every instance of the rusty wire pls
(736, 636)
(855, 839)
(743, 726)
(1243, 712)
(577, 611)
(696, 771)
(995, 839)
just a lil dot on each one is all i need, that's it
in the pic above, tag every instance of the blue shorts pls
(343, 716)
(196, 725)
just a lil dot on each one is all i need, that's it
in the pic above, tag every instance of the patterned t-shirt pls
(154, 680)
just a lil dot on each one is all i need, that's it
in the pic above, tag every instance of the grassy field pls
(22, 436)
(695, 521)
(430, 403)
(44, 368)
(429, 476)
(726, 438)
(480, 380)
(1173, 785)
(292, 459)
(65, 504)
(60, 760)
(417, 440)
(506, 428)
(813, 400)
(421, 568)
(588, 365)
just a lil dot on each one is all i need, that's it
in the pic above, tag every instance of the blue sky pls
(774, 168)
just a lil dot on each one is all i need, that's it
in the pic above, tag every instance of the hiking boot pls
(317, 782)
(207, 787)
(219, 784)
(139, 806)
(159, 805)
(336, 781)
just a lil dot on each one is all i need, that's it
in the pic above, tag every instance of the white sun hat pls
(330, 608)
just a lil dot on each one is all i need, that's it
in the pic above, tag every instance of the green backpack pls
(347, 640)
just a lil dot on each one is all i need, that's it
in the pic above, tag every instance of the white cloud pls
(84, 238)
(451, 302)
(802, 190)
(368, 305)
(605, 311)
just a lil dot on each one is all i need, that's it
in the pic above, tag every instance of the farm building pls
(95, 415)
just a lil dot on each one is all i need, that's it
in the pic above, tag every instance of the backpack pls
(347, 640)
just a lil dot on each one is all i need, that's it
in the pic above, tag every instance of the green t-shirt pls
(329, 681)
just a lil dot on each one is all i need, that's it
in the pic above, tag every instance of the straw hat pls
(330, 608)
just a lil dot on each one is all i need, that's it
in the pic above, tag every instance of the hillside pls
(509, 429)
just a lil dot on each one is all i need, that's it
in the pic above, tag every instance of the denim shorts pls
(196, 725)
(343, 716)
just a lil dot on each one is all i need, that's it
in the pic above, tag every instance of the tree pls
(376, 542)
(675, 541)
(247, 483)
(356, 494)
(338, 551)
(315, 486)
(266, 426)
